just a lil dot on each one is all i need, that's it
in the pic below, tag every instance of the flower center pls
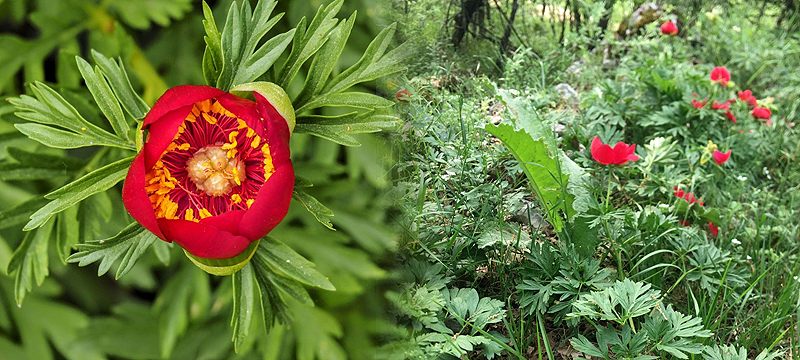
(213, 172)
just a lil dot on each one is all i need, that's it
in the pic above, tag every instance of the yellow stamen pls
(210, 119)
(249, 202)
(236, 198)
(189, 215)
(256, 142)
(204, 213)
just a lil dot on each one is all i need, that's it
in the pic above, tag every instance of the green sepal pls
(224, 267)
(276, 96)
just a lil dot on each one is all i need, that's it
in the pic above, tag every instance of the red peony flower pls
(713, 229)
(688, 196)
(747, 96)
(669, 28)
(699, 104)
(721, 157)
(620, 154)
(720, 75)
(214, 173)
(721, 106)
(730, 116)
(761, 113)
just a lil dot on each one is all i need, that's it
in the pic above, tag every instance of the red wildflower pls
(720, 75)
(698, 104)
(214, 173)
(761, 113)
(688, 196)
(620, 154)
(713, 229)
(747, 96)
(721, 106)
(721, 157)
(402, 95)
(669, 28)
(685, 223)
(730, 116)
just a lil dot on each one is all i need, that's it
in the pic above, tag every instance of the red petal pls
(211, 238)
(272, 201)
(601, 152)
(135, 198)
(162, 133)
(177, 97)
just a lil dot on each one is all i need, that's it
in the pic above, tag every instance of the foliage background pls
(164, 307)
(490, 277)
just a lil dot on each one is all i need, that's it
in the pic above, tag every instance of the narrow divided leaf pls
(129, 245)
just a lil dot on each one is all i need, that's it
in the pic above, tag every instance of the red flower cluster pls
(669, 28)
(721, 157)
(214, 173)
(698, 104)
(747, 97)
(687, 196)
(620, 154)
(720, 75)
(762, 113)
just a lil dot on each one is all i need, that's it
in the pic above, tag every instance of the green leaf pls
(104, 97)
(244, 297)
(118, 79)
(311, 41)
(316, 208)
(129, 244)
(67, 232)
(173, 306)
(29, 52)
(288, 263)
(139, 14)
(554, 178)
(373, 64)
(94, 182)
(49, 108)
(20, 214)
(35, 166)
(619, 303)
(212, 56)
(259, 62)
(358, 100)
(61, 139)
(29, 262)
(326, 59)
(341, 133)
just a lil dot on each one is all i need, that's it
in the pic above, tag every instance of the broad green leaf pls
(96, 181)
(547, 170)
(129, 245)
(316, 208)
(104, 97)
(29, 262)
(288, 263)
